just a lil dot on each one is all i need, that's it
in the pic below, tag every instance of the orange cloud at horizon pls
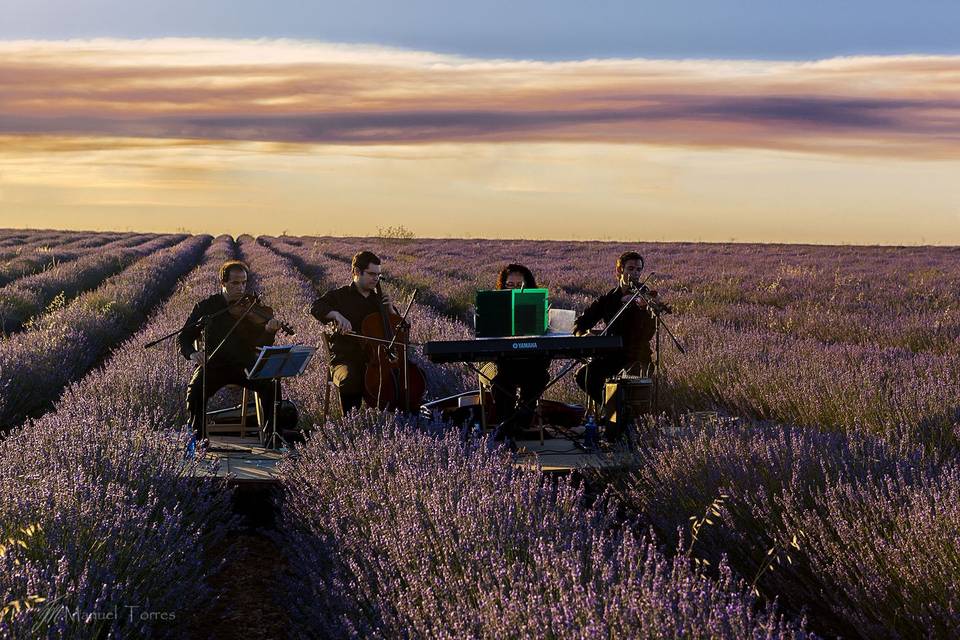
(271, 136)
(535, 190)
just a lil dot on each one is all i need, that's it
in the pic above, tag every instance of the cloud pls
(292, 92)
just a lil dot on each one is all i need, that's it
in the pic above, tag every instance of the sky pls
(706, 121)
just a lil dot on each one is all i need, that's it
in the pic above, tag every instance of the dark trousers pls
(529, 376)
(348, 377)
(217, 378)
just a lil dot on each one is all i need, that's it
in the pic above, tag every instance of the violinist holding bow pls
(636, 325)
(347, 307)
(235, 331)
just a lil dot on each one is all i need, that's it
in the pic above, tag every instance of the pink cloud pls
(294, 92)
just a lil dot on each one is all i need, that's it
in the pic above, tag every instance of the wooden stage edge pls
(245, 461)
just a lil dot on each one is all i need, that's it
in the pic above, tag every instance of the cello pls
(391, 381)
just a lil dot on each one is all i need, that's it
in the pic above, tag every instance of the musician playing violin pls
(232, 343)
(346, 308)
(636, 325)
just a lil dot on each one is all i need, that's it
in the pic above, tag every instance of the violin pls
(649, 296)
(251, 307)
(391, 381)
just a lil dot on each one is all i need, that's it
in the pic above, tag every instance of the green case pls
(530, 316)
(512, 312)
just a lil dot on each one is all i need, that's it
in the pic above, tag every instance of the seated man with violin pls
(347, 307)
(508, 375)
(235, 331)
(636, 325)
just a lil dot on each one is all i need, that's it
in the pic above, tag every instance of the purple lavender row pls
(902, 396)
(908, 399)
(36, 365)
(900, 297)
(859, 536)
(29, 296)
(394, 532)
(17, 238)
(17, 246)
(48, 256)
(426, 323)
(60, 239)
(123, 524)
(151, 383)
(41, 256)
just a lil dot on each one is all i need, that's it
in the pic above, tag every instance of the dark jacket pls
(240, 349)
(636, 325)
(354, 307)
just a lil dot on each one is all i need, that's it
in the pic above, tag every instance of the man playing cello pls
(346, 308)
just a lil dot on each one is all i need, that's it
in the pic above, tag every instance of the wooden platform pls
(245, 461)
(563, 455)
(240, 460)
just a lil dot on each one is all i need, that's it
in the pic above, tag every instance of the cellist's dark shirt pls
(241, 347)
(354, 307)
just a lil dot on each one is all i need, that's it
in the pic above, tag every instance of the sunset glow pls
(274, 135)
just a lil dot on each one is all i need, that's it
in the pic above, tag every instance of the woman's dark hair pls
(529, 282)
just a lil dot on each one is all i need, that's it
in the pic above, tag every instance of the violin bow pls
(404, 318)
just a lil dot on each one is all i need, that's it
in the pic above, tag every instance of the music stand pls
(274, 363)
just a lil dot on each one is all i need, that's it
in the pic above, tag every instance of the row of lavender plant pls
(105, 465)
(47, 256)
(859, 537)
(16, 246)
(18, 238)
(157, 390)
(395, 532)
(907, 397)
(36, 365)
(27, 297)
(898, 297)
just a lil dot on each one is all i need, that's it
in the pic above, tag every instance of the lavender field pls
(820, 497)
